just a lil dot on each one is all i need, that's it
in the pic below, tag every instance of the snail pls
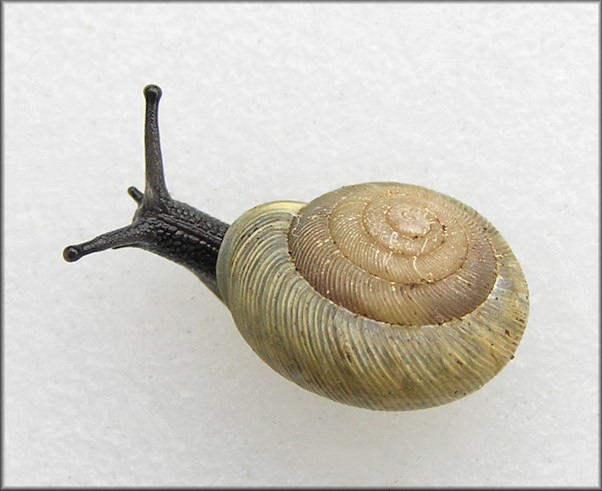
(383, 296)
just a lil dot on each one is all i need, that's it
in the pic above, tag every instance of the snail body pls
(384, 296)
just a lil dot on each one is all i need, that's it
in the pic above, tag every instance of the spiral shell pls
(382, 295)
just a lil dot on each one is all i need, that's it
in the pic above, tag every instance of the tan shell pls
(383, 295)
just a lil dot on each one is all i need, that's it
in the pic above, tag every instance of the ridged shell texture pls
(382, 295)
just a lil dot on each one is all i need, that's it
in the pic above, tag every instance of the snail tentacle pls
(155, 191)
(162, 225)
(136, 194)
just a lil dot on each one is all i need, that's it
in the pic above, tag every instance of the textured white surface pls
(123, 369)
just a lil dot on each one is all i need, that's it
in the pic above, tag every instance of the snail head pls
(162, 225)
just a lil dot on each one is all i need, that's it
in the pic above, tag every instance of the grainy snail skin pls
(382, 295)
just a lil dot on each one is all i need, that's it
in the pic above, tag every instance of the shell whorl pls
(383, 296)
(397, 253)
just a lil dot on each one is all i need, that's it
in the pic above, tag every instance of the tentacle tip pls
(71, 254)
(152, 93)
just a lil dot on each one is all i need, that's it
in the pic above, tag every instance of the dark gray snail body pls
(380, 295)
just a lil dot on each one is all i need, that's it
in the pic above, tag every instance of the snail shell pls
(382, 295)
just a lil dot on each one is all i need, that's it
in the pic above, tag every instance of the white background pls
(122, 369)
